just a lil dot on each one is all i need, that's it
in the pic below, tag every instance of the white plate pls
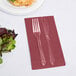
(5, 6)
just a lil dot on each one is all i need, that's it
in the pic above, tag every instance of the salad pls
(21, 2)
(7, 41)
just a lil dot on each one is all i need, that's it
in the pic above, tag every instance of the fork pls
(37, 33)
(46, 31)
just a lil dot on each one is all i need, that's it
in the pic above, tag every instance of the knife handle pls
(52, 59)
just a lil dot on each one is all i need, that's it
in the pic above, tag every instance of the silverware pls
(37, 33)
(46, 31)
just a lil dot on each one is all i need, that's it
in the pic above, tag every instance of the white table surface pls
(18, 62)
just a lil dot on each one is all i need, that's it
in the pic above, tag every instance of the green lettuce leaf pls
(1, 61)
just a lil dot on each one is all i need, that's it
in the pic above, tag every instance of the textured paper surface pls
(54, 43)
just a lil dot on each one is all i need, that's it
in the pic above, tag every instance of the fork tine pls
(35, 25)
(38, 25)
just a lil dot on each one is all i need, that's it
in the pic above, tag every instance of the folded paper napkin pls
(44, 44)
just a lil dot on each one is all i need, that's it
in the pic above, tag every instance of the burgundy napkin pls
(51, 48)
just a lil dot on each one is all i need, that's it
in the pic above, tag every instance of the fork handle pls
(43, 61)
(52, 59)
